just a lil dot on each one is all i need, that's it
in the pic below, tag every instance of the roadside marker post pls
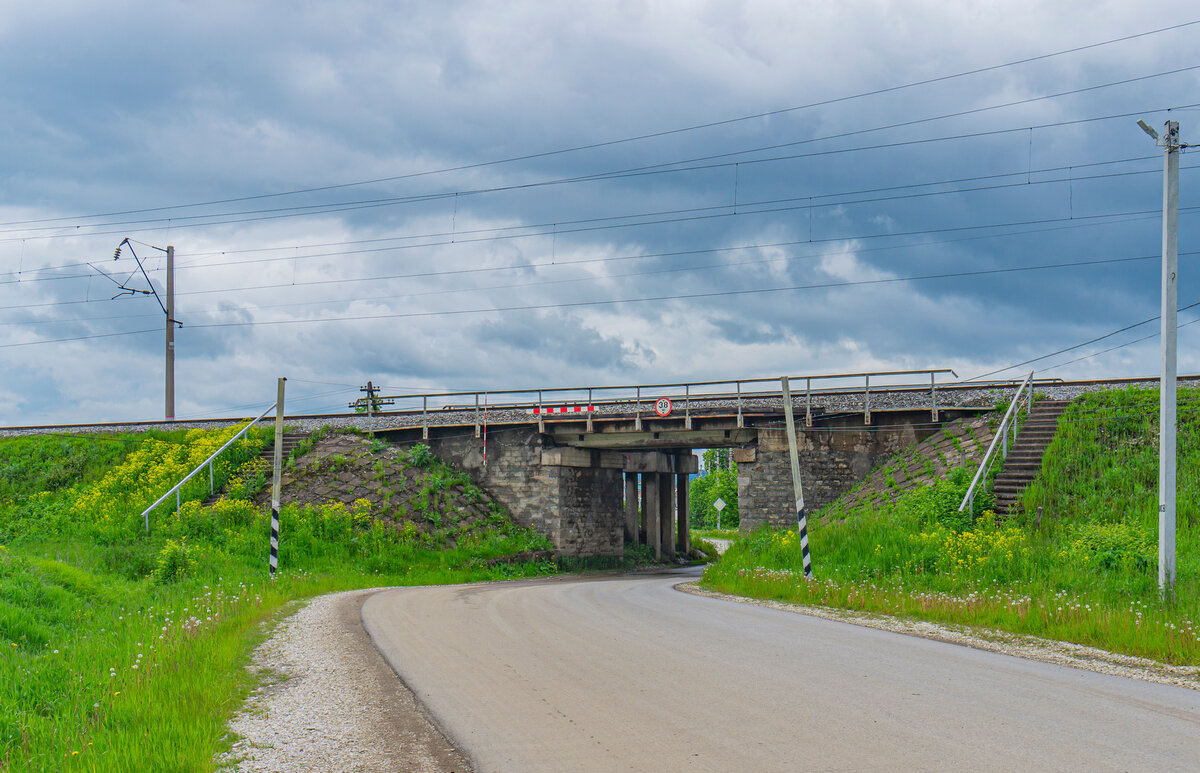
(276, 485)
(719, 505)
(797, 487)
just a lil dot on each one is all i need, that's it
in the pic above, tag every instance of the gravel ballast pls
(852, 401)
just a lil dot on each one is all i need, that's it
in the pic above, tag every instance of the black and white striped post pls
(276, 485)
(797, 487)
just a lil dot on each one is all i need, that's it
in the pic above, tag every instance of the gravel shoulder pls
(330, 702)
(1028, 647)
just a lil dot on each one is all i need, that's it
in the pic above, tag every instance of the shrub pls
(420, 456)
(1108, 546)
(174, 561)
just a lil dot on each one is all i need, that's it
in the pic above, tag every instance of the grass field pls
(122, 652)
(1086, 574)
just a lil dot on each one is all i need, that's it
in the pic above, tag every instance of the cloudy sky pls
(478, 195)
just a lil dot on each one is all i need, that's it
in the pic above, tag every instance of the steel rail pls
(941, 386)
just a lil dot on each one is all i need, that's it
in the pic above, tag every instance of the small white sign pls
(719, 504)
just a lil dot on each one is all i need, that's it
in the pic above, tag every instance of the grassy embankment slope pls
(1087, 574)
(125, 652)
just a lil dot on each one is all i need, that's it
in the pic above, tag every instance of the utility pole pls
(797, 486)
(1167, 414)
(1167, 405)
(170, 333)
(276, 480)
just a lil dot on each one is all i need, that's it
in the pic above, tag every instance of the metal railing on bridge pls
(641, 398)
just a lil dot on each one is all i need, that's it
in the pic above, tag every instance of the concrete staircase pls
(265, 459)
(1025, 455)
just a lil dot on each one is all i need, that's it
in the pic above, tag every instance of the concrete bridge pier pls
(656, 488)
(585, 500)
(632, 511)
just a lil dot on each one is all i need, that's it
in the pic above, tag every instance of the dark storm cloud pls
(143, 105)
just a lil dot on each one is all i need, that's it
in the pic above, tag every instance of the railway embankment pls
(1078, 563)
(110, 635)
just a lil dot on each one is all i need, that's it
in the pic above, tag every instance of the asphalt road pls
(627, 674)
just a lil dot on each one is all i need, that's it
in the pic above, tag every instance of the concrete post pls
(683, 535)
(643, 534)
(631, 507)
(651, 490)
(1168, 406)
(170, 361)
(276, 479)
(666, 519)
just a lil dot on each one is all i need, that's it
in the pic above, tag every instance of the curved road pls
(627, 673)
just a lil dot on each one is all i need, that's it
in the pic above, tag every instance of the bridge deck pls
(823, 402)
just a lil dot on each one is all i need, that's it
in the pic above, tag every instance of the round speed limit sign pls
(662, 406)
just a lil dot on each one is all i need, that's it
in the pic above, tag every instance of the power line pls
(655, 272)
(742, 211)
(1119, 346)
(812, 201)
(592, 303)
(578, 304)
(648, 135)
(1078, 221)
(816, 197)
(1076, 346)
(306, 210)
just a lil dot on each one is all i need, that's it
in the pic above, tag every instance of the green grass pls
(122, 652)
(1086, 575)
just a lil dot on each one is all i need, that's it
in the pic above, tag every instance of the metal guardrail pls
(1001, 436)
(643, 396)
(211, 486)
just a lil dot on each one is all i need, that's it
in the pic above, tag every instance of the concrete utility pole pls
(276, 482)
(170, 333)
(1167, 414)
(1170, 325)
(797, 486)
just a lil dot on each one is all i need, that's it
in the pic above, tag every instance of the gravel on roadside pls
(330, 702)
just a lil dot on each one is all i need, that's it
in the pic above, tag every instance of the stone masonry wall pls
(833, 459)
(591, 518)
(578, 509)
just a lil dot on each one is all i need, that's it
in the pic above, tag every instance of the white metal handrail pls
(437, 401)
(211, 487)
(1001, 436)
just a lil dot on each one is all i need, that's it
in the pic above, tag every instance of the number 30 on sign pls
(662, 406)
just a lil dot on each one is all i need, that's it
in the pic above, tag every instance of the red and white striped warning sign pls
(562, 409)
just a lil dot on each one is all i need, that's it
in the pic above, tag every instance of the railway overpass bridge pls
(595, 467)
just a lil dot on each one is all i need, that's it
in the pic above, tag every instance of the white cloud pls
(139, 109)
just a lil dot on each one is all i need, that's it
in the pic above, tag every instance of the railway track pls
(823, 401)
